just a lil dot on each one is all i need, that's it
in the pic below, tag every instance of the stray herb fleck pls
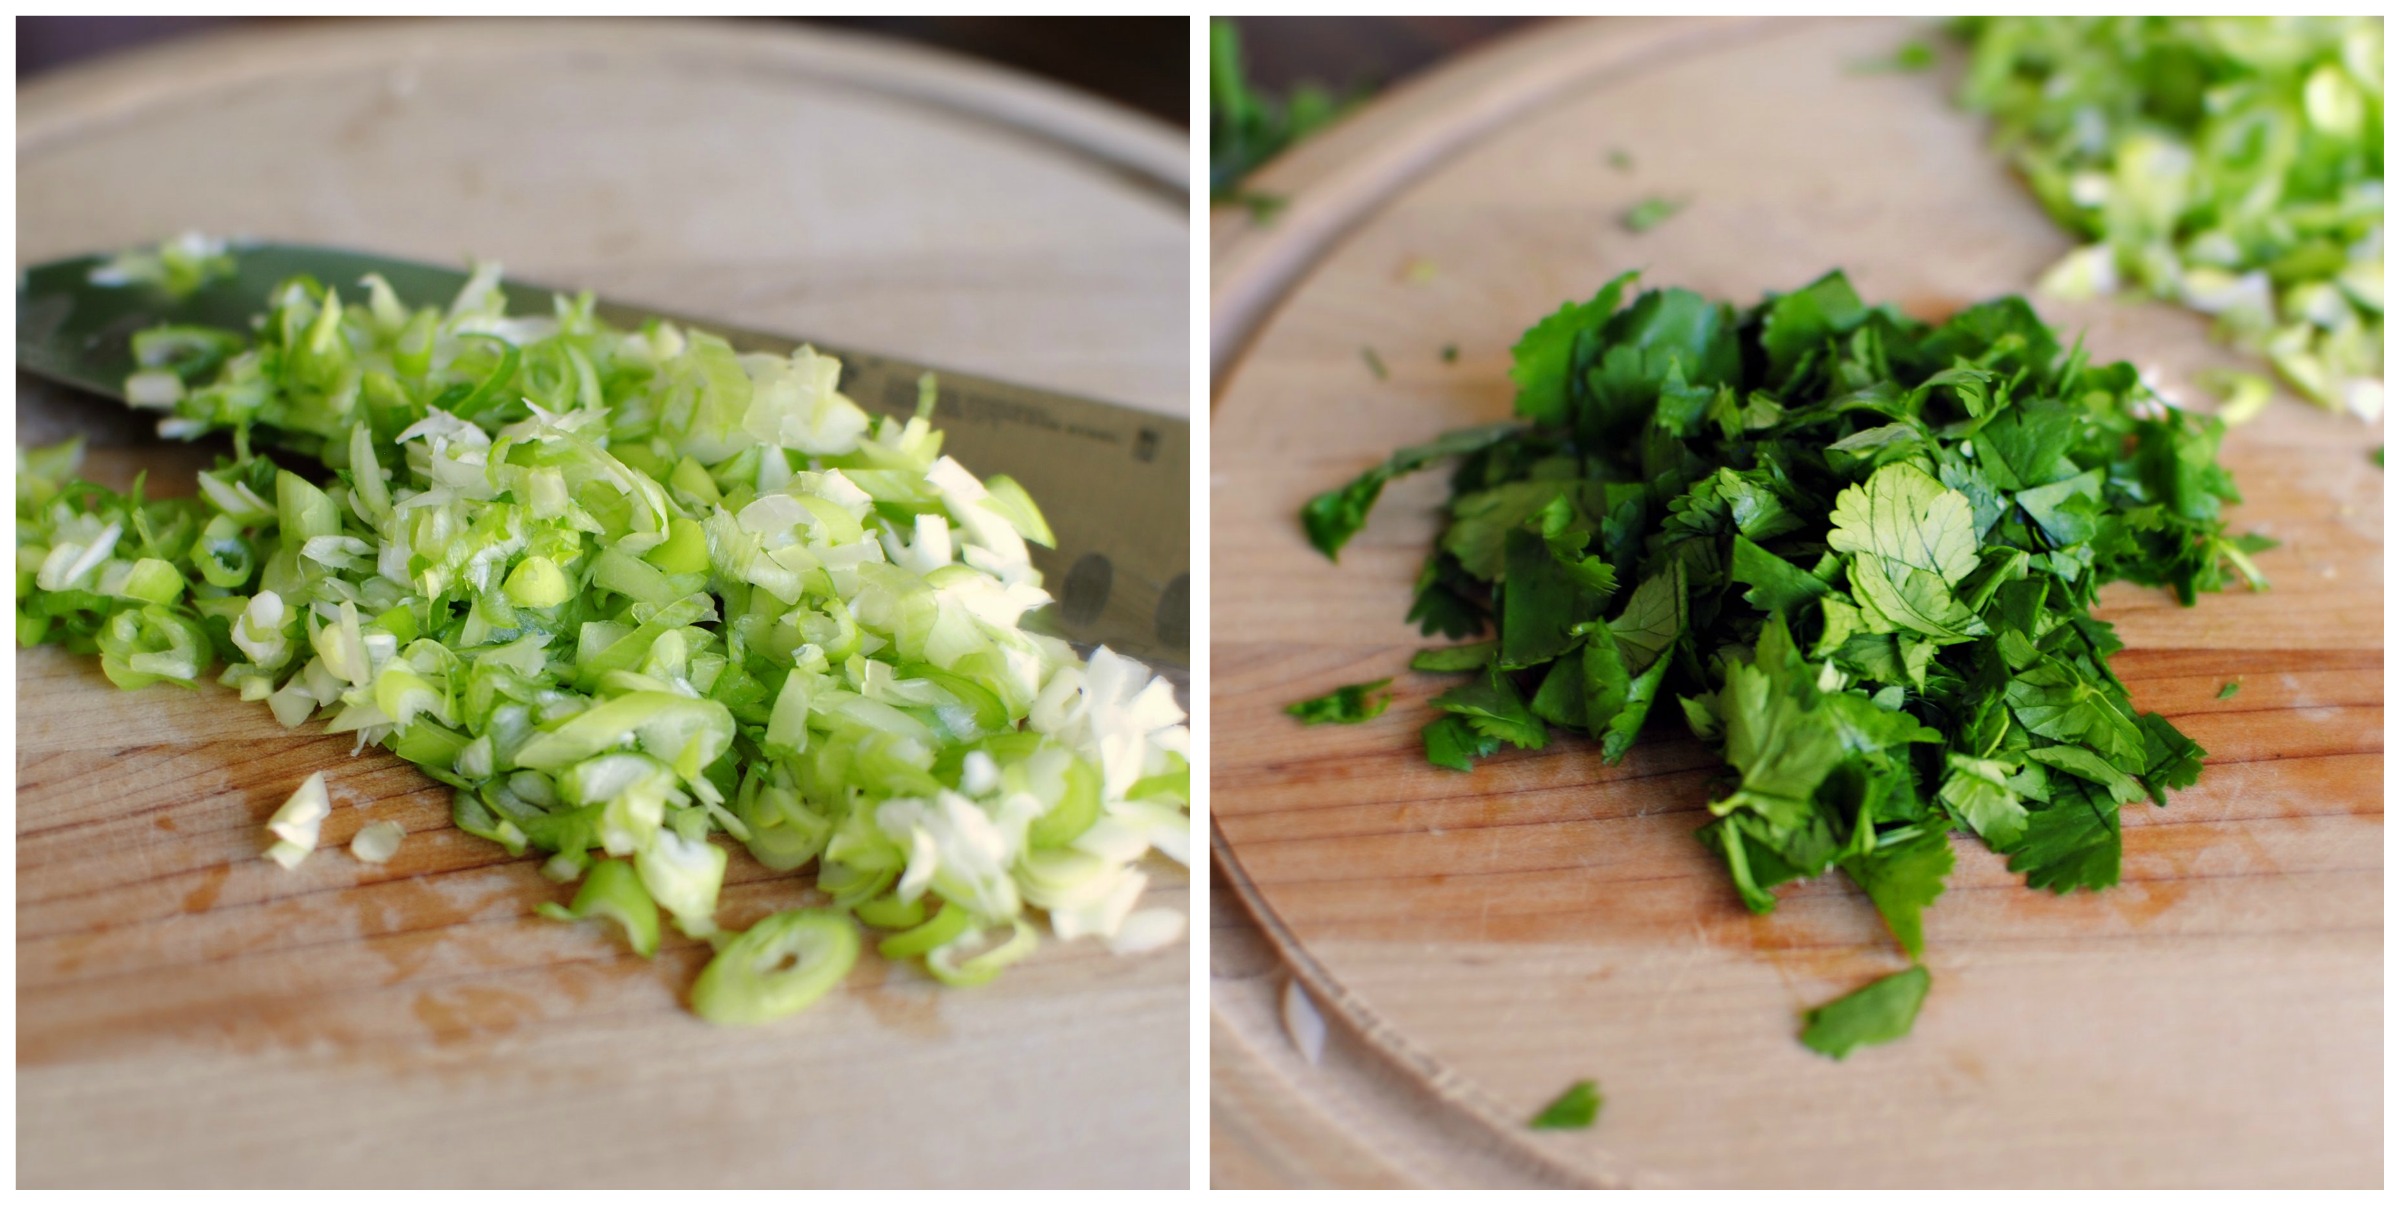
(1574, 1110)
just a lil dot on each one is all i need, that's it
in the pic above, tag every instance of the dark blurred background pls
(1143, 63)
(1345, 53)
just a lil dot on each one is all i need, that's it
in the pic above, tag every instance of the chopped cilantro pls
(1878, 1013)
(1911, 56)
(2226, 691)
(1334, 516)
(1574, 1110)
(1354, 704)
(1262, 207)
(1651, 212)
(1857, 551)
(1454, 659)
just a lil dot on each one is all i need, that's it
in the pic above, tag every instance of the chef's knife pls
(1113, 482)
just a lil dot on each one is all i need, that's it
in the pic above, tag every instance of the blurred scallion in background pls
(2232, 164)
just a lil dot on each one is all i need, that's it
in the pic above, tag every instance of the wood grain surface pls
(1476, 942)
(189, 1014)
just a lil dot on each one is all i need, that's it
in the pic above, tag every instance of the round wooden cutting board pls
(189, 1014)
(1475, 943)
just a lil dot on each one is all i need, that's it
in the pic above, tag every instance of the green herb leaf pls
(1911, 56)
(1353, 704)
(1878, 1013)
(1453, 743)
(1336, 515)
(1651, 212)
(1573, 1110)
(1904, 877)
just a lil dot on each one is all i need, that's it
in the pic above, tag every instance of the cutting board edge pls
(62, 104)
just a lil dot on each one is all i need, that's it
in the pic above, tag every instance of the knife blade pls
(1113, 482)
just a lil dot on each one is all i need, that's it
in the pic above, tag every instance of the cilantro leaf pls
(1336, 515)
(1652, 211)
(1978, 793)
(1878, 1013)
(1454, 658)
(2074, 843)
(1907, 516)
(1902, 878)
(2091, 767)
(2057, 701)
(2170, 758)
(1542, 602)
(1353, 704)
(1542, 357)
(1575, 1109)
(1783, 744)
(1492, 706)
(1776, 584)
(1799, 322)
(1652, 619)
(1452, 743)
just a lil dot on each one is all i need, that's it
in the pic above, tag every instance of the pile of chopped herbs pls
(1858, 553)
(624, 591)
(2233, 164)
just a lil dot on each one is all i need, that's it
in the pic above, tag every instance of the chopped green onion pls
(777, 968)
(2233, 164)
(378, 842)
(296, 824)
(179, 266)
(612, 891)
(945, 927)
(623, 591)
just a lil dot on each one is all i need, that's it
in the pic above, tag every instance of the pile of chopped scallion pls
(2233, 164)
(625, 591)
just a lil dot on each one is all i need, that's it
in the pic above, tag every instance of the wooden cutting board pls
(189, 1014)
(1476, 943)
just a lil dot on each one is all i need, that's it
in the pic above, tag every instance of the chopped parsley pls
(1854, 553)
(1374, 363)
(1878, 1013)
(2226, 691)
(1574, 1110)
(1262, 207)
(1651, 212)
(1449, 353)
(1910, 57)
(1353, 704)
